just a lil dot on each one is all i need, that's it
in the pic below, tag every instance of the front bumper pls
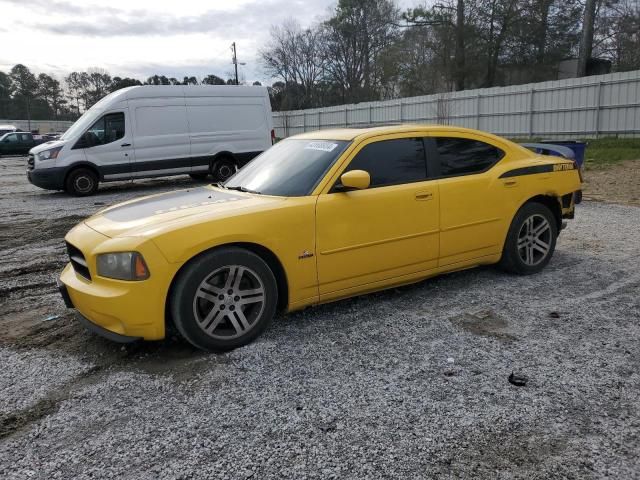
(89, 325)
(134, 309)
(47, 178)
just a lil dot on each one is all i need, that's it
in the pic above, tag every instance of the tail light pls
(273, 136)
(579, 168)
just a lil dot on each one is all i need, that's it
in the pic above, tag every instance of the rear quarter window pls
(464, 156)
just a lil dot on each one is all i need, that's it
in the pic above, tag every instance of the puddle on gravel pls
(486, 323)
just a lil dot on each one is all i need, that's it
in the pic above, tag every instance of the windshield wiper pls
(238, 188)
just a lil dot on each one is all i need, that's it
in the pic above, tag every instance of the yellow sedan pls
(316, 218)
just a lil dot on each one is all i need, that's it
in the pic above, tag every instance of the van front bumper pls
(47, 178)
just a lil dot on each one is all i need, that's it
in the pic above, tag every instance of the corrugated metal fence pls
(43, 126)
(601, 105)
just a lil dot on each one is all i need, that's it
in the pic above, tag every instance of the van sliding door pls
(161, 136)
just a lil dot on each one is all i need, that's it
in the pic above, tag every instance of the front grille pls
(78, 261)
(30, 161)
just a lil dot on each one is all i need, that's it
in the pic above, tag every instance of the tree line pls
(25, 95)
(371, 50)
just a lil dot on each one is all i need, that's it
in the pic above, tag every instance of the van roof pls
(163, 91)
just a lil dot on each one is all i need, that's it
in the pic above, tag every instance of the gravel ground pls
(408, 383)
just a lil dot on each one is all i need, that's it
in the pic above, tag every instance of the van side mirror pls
(354, 180)
(84, 141)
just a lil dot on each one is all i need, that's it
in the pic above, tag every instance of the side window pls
(461, 156)
(13, 138)
(391, 162)
(107, 129)
(24, 137)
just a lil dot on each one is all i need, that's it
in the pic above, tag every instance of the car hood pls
(46, 146)
(149, 216)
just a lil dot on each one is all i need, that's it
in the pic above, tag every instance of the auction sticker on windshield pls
(322, 146)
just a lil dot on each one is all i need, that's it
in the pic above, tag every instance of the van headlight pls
(50, 154)
(122, 266)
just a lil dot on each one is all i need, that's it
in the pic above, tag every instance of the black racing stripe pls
(162, 164)
(170, 163)
(527, 171)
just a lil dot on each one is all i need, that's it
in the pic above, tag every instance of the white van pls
(151, 131)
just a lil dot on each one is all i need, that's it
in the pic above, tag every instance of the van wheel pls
(223, 168)
(81, 182)
(224, 299)
(198, 176)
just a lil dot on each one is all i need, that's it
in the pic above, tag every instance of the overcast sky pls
(139, 38)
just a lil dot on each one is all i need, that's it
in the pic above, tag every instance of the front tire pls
(81, 182)
(224, 299)
(531, 240)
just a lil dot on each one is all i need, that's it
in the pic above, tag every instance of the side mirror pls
(355, 180)
(84, 141)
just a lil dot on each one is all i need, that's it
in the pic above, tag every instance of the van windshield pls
(291, 168)
(82, 123)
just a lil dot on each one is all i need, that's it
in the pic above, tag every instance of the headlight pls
(122, 266)
(50, 154)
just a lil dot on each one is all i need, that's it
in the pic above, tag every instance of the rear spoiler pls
(550, 149)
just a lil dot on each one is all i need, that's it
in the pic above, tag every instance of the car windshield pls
(291, 168)
(82, 123)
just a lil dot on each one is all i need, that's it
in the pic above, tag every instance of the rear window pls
(463, 156)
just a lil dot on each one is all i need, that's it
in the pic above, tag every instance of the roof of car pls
(352, 133)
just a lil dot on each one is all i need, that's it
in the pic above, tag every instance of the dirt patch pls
(485, 323)
(24, 232)
(616, 183)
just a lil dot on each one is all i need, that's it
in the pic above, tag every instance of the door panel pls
(472, 203)
(472, 217)
(113, 157)
(161, 136)
(376, 234)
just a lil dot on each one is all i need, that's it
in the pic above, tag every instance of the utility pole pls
(235, 62)
(586, 45)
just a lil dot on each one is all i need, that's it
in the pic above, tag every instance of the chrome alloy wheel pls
(534, 240)
(228, 303)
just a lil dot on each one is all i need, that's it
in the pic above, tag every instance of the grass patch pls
(604, 152)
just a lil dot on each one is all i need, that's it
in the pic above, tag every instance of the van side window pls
(107, 129)
(463, 156)
(391, 162)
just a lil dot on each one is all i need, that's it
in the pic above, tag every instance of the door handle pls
(510, 183)
(424, 196)
(125, 145)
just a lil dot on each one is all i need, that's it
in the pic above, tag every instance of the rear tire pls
(224, 299)
(531, 240)
(81, 182)
(223, 168)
